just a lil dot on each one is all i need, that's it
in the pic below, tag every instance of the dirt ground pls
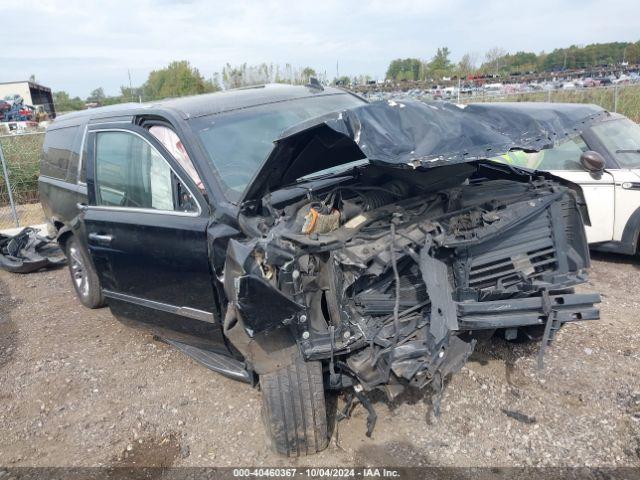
(77, 388)
(28, 214)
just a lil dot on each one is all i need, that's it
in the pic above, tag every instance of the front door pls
(599, 193)
(598, 188)
(146, 228)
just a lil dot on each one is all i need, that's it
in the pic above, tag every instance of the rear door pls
(146, 231)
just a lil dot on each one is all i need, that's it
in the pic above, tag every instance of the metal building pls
(33, 94)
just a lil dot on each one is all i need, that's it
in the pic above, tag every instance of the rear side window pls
(131, 173)
(58, 149)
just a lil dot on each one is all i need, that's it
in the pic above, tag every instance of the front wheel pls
(83, 276)
(293, 409)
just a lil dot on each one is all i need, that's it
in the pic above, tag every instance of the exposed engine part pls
(321, 219)
(346, 205)
(376, 197)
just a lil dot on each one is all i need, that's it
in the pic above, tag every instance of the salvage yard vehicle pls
(307, 241)
(605, 161)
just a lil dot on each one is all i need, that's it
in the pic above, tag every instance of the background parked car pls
(605, 161)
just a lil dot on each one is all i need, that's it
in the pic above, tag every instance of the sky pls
(77, 46)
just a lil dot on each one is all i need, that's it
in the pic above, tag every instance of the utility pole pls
(8, 184)
(337, 71)
(130, 85)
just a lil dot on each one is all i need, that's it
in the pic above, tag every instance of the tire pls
(83, 276)
(293, 409)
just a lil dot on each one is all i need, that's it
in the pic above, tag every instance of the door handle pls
(99, 238)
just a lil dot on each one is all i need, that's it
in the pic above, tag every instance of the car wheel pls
(83, 276)
(293, 409)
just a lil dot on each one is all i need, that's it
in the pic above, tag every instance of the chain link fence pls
(620, 98)
(20, 158)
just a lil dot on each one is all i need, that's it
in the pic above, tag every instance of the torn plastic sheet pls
(28, 252)
(417, 134)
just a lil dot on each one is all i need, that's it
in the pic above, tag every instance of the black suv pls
(304, 240)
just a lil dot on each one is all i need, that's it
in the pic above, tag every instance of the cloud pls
(79, 45)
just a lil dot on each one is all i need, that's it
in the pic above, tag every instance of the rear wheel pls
(293, 409)
(83, 276)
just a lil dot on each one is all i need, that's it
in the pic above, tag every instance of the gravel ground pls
(77, 388)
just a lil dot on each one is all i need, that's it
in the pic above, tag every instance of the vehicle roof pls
(206, 104)
(535, 109)
(582, 113)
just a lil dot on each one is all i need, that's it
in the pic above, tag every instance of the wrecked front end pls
(389, 276)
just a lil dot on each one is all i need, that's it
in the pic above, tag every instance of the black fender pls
(628, 244)
(632, 231)
(63, 235)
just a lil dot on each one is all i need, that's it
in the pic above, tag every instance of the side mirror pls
(592, 161)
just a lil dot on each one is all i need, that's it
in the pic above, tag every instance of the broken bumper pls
(527, 311)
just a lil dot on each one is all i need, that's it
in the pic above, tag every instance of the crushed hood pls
(417, 134)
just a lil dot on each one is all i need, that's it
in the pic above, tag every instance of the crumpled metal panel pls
(417, 134)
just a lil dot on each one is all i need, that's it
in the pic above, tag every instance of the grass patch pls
(22, 154)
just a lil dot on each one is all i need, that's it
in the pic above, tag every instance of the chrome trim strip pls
(60, 183)
(165, 307)
(81, 156)
(142, 210)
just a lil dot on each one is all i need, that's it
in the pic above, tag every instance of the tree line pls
(499, 62)
(180, 78)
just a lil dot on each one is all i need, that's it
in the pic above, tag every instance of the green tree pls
(404, 69)
(592, 55)
(236, 76)
(440, 65)
(179, 78)
(494, 60)
(97, 95)
(128, 94)
(520, 62)
(467, 65)
(64, 103)
(344, 81)
(306, 74)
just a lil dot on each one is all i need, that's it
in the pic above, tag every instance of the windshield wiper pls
(628, 151)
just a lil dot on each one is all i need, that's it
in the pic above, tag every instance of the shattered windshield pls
(622, 139)
(237, 143)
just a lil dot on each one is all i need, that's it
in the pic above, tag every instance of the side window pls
(131, 173)
(56, 151)
(169, 139)
(564, 156)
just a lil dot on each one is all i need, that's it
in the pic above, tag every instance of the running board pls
(227, 366)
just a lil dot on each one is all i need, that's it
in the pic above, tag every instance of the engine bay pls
(390, 275)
